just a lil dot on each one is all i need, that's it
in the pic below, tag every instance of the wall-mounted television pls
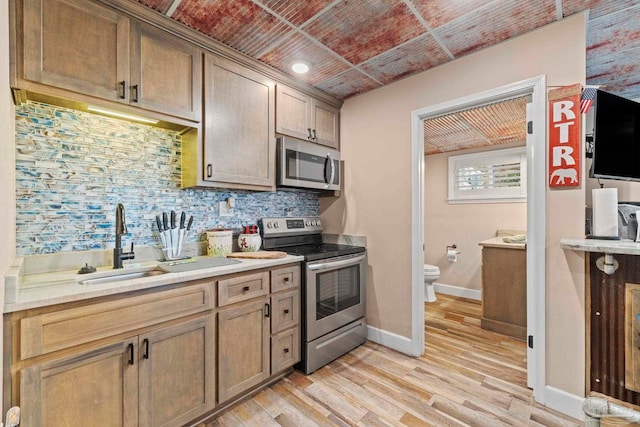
(616, 138)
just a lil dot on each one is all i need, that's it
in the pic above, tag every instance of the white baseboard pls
(389, 339)
(566, 403)
(457, 291)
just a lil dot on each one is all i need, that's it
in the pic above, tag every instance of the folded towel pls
(518, 238)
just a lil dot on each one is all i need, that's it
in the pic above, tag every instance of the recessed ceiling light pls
(300, 67)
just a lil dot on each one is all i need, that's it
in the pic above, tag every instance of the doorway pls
(536, 208)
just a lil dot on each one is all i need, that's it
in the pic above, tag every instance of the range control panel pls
(288, 226)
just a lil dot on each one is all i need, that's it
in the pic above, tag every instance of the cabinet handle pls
(209, 170)
(286, 279)
(145, 344)
(130, 347)
(267, 310)
(315, 137)
(245, 289)
(286, 350)
(134, 98)
(286, 311)
(123, 88)
(309, 137)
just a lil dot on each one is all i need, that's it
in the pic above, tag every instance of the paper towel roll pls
(452, 255)
(605, 212)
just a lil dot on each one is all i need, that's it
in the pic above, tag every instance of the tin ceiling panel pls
(299, 46)
(359, 30)
(418, 54)
(241, 24)
(489, 125)
(494, 23)
(363, 44)
(296, 12)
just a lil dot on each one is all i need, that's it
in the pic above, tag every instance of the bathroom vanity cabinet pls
(504, 288)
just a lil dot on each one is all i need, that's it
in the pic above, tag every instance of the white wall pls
(7, 181)
(376, 147)
(461, 224)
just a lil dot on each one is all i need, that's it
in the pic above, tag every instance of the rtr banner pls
(564, 137)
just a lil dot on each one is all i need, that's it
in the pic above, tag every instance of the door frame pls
(536, 218)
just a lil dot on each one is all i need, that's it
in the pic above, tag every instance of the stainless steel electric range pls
(333, 288)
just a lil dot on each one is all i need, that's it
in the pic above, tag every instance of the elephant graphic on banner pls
(561, 174)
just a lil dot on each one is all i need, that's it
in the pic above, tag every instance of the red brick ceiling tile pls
(438, 12)
(323, 64)
(597, 7)
(160, 5)
(359, 30)
(241, 24)
(296, 11)
(416, 55)
(493, 24)
(349, 83)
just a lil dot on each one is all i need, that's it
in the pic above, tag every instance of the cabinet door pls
(293, 115)
(166, 73)
(76, 45)
(326, 124)
(243, 347)
(239, 139)
(97, 388)
(177, 373)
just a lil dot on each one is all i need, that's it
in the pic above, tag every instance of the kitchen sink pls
(120, 276)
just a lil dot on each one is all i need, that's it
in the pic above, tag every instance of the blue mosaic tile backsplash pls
(73, 168)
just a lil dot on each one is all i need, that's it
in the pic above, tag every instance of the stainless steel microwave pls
(302, 164)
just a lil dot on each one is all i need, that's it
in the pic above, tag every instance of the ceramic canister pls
(249, 242)
(219, 242)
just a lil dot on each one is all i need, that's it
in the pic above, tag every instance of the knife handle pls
(183, 217)
(173, 219)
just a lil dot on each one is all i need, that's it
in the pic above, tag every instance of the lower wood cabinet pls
(243, 347)
(504, 291)
(258, 337)
(95, 388)
(153, 358)
(162, 378)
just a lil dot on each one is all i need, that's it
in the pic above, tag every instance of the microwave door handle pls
(335, 264)
(327, 161)
(333, 170)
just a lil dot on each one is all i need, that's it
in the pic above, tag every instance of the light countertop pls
(49, 288)
(497, 242)
(624, 247)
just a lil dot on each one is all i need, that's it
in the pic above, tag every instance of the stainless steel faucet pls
(121, 228)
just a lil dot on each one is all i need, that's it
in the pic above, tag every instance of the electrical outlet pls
(224, 209)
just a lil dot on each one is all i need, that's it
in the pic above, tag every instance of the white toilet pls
(431, 274)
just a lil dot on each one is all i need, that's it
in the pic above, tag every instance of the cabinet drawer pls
(285, 310)
(285, 350)
(285, 278)
(49, 332)
(242, 288)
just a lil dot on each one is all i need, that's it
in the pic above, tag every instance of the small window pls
(495, 176)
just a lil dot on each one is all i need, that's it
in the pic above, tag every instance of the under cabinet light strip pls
(121, 115)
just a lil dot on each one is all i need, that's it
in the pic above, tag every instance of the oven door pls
(335, 291)
(305, 165)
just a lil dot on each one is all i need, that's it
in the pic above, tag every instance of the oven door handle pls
(336, 264)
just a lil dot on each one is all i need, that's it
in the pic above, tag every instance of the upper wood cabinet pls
(90, 49)
(77, 45)
(166, 73)
(239, 140)
(301, 116)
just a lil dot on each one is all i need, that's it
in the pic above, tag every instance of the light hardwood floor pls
(467, 376)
